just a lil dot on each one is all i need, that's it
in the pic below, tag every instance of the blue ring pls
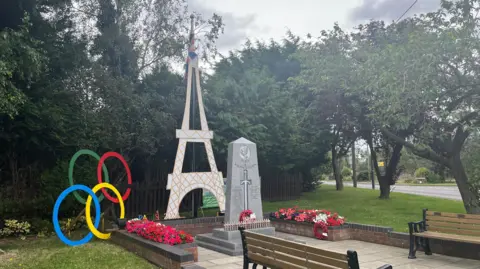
(56, 225)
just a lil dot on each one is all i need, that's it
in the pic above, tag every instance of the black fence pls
(148, 196)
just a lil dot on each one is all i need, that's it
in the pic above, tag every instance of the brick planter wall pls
(165, 256)
(378, 235)
(196, 226)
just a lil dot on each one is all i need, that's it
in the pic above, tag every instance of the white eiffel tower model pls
(180, 183)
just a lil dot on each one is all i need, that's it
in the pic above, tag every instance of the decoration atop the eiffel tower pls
(180, 183)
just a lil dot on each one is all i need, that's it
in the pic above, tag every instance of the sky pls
(266, 19)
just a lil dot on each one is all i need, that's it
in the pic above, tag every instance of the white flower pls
(321, 217)
(252, 216)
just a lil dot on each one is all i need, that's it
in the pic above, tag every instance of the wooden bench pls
(444, 226)
(277, 253)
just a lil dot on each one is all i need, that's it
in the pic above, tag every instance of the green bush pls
(346, 172)
(434, 178)
(363, 176)
(422, 172)
(15, 228)
(41, 226)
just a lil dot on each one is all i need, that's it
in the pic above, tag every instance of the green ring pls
(71, 165)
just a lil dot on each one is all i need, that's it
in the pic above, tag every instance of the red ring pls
(100, 180)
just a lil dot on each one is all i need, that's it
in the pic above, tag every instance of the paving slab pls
(371, 256)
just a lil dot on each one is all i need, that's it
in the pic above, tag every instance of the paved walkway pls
(447, 192)
(371, 256)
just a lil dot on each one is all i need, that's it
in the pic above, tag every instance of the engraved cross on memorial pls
(245, 156)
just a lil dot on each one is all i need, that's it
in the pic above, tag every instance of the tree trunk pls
(391, 169)
(470, 199)
(354, 166)
(336, 170)
(384, 185)
(389, 178)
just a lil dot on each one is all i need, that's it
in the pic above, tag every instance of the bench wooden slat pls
(327, 260)
(270, 262)
(454, 237)
(262, 251)
(314, 265)
(454, 220)
(288, 244)
(311, 256)
(453, 231)
(453, 215)
(258, 243)
(326, 253)
(300, 261)
(454, 225)
(291, 251)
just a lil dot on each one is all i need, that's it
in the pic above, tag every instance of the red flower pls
(245, 215)
(157, 232)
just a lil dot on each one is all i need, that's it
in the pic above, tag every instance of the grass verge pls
(363, 206)
(43, 253)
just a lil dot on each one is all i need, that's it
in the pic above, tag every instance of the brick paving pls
(371, 256)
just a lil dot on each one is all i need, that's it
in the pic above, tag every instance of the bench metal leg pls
(426, 247)
(254, 266)
(413, 241)
(245, 264)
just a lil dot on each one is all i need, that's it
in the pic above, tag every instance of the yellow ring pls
(88, 217)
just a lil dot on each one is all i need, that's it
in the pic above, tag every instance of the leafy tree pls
(250, 96)
(21, 63)
(429, 82)
(326, 76)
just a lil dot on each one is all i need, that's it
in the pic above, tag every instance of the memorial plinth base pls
(227, 242)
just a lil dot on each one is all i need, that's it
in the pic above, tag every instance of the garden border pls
(378, 235)
(165, 256)
(349, 231)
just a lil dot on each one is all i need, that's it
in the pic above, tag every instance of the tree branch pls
(424, 152)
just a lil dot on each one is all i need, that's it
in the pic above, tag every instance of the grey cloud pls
(236, 27)
(389, 10)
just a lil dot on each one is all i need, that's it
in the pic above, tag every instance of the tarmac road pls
(448, 192)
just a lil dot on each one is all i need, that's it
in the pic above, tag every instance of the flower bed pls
(160, 244)
(158, 232)
(321, 219)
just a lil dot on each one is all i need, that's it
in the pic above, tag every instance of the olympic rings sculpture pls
(93, 227)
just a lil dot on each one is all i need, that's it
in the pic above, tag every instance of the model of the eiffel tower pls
(180, 183)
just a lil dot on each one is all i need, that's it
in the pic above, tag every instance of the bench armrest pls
(416, 227)
(386, 266)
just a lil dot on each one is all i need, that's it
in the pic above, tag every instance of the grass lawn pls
(52, 253)
(363, 206)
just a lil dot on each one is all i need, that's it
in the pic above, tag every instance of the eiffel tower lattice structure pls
(180, 183)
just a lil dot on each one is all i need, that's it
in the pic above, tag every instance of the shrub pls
(41, 226)
(346, 172)
(434, 178)
(422, 172)
(15, 228)
(363, 176)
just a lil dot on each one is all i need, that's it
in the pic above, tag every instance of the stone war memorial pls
(243, 193)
